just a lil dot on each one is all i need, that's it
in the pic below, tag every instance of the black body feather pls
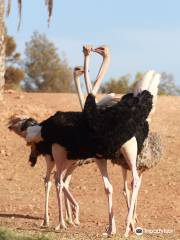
(100, 132)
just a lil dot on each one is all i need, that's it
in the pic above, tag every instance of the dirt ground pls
(22, 189)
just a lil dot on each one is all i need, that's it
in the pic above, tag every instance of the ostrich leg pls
(135, 218)
(50, 165)
(62, 165)
(126, 191)
(102, 165)
(127, 196)
(129, 150)
(59, 190)
(67, 179)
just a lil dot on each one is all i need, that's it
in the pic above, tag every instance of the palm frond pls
(20, 12)
(49, 4)
(8, 8)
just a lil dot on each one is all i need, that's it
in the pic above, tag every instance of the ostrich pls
(106, 181)
(102, 134)
(151, 152)
(19, 125)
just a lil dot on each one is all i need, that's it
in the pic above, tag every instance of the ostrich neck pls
(79, 90)
(101, 74)
(86, 74)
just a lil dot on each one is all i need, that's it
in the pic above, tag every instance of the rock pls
(10, 91)
(20, 97)
(8, 154)
(2, 151)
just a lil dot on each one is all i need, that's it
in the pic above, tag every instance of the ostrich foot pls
(127, 232)
(61, 226)
(110, 231)
(69, 222)
(132, 227)
(76, 221)
(45, 223)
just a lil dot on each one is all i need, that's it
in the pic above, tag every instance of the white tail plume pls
(149, 82)
(143, 84)
(106, 99)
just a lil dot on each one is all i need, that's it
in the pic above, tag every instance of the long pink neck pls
(79, 90)
(86, 74)
(101, 74)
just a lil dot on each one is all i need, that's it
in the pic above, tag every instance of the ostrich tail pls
(153, 84)
(105, 100)
(153, 89)
(149, 82)
(143, 84)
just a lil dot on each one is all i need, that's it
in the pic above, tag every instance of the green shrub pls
(6, 234)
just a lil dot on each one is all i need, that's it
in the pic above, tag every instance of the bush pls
(6, 234)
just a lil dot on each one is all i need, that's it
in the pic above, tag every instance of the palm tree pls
(2, 49)
(48, 3)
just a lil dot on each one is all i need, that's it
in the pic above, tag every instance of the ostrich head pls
(102, 50)
(19, 125)
(87, 49)
(105, 53)
(27, 128)
(78, 71)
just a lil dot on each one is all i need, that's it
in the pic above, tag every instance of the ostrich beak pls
(97, 50)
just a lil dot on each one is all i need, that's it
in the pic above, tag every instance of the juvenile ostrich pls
(102, 134)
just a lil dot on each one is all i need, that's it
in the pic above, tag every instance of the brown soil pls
(22, 190)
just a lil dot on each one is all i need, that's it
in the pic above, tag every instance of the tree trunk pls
(2, 49)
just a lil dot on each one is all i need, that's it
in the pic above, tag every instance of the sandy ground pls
(22, 190)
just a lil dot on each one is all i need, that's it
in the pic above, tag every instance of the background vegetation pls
(14, 72)
(43, 70)
(6, 234)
